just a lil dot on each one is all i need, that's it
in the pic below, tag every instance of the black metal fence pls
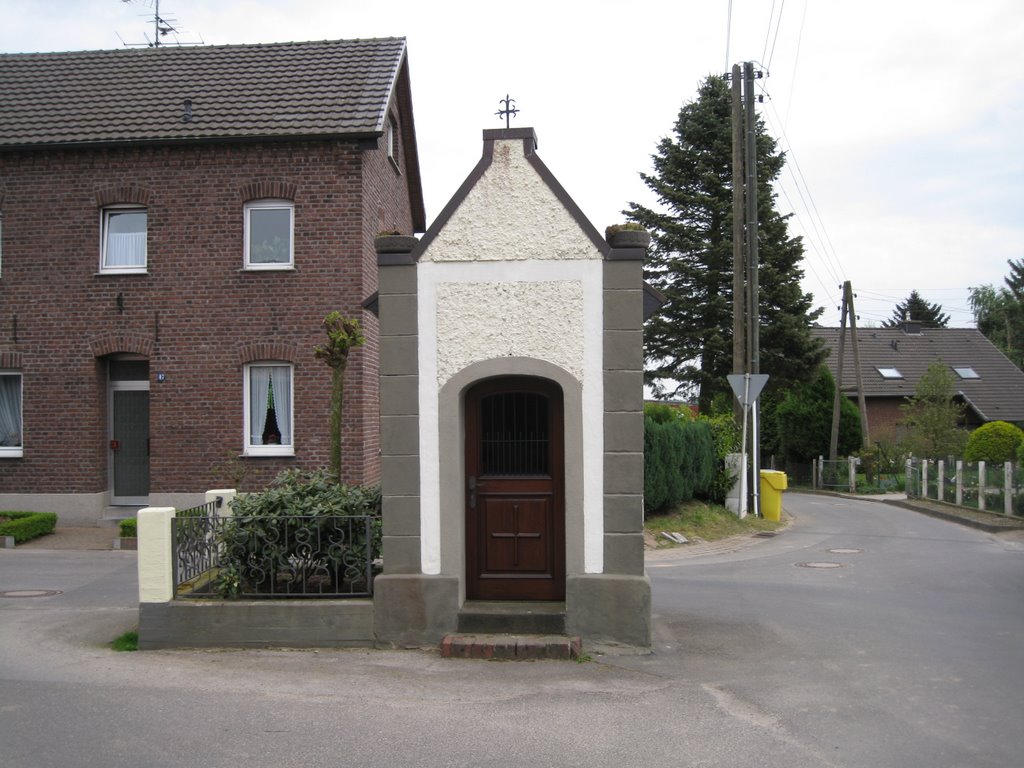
(274, 556)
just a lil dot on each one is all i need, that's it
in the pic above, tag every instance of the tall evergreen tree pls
(690, 340)
(914, 307)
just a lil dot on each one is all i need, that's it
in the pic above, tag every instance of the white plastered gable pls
(510, 214)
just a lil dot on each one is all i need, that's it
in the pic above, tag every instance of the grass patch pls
(129, 641)
(709, 522)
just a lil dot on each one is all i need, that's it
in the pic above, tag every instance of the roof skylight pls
(966, 373)
(890, 373)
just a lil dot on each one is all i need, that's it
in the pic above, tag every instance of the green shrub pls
(679, 461)
(996, 442)
(726, 435)
(804, 420)
(255, 541)
(129, 528)
(24, 526)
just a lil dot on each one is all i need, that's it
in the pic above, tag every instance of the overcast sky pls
(902, 118)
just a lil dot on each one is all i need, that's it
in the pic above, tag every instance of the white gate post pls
(924, 478)
(908, 477)
(851, 463)
(981, 485)
(156, 576)
(1008, 488)
(940, 479)
(959, 482)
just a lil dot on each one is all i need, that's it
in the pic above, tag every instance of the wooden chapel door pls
(515, 508)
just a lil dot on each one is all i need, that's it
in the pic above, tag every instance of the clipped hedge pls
(24, 526)
(129, 528)
(679, 461)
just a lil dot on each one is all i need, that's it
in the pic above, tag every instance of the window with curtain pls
(268, 410)
(124, 240)
(10, 414)
(268, 234)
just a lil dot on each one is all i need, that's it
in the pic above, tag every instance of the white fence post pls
(156, 577)
(852, 470)
(908, 478)
(981, 485)
(959, 482)
(226, 496)
(1008, 488)
(924, 478)
(940, 480)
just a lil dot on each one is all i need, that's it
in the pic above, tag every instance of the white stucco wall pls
(509, 318)
(510, 214)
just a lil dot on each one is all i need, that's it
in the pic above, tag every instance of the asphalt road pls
(909, 653)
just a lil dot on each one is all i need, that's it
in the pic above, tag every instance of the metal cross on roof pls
(509, 111)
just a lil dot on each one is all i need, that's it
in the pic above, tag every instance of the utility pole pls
(739, 352)
(848, 310)
(833, 446)
(753, 308)
(861, 403)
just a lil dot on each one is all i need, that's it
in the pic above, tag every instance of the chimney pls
(911, 327)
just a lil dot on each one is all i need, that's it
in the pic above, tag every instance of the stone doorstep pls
(506, 647)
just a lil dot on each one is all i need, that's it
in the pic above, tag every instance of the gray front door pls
(129, 441)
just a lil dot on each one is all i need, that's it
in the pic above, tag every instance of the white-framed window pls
(392, 139)
(269, 234)
(123, 239)
(10, 414)
(269, 409)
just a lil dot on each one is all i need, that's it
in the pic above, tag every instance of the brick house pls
(175, 223)
(893, 360)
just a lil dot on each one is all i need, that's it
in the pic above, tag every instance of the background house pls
(176, 223)
(892, 360)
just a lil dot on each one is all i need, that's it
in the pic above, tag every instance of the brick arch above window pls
(115, 343)
(268, 350)
(278, 189)
(122, 194)
(10, 360)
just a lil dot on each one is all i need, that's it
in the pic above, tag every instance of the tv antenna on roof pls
(162, 27)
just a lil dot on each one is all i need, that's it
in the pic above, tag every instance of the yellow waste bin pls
(773, 483)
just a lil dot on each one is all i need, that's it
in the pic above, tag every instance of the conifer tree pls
(916, 308)
(689, 341)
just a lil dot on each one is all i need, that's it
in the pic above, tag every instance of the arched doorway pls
(515, 490)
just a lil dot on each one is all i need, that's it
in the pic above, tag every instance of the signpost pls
(747, 388)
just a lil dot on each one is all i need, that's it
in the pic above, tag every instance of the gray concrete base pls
(609, 609)
(256, 624)
(414, 610)
(73, 509)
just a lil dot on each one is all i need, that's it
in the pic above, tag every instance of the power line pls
(778, 26)
(768, 32)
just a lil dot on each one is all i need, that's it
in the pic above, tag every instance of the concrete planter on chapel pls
(629, 238)
(395, 243)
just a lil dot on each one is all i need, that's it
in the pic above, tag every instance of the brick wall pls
(196, 314)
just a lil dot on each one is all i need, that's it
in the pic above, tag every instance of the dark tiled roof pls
(997, 393)
(328, 88)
